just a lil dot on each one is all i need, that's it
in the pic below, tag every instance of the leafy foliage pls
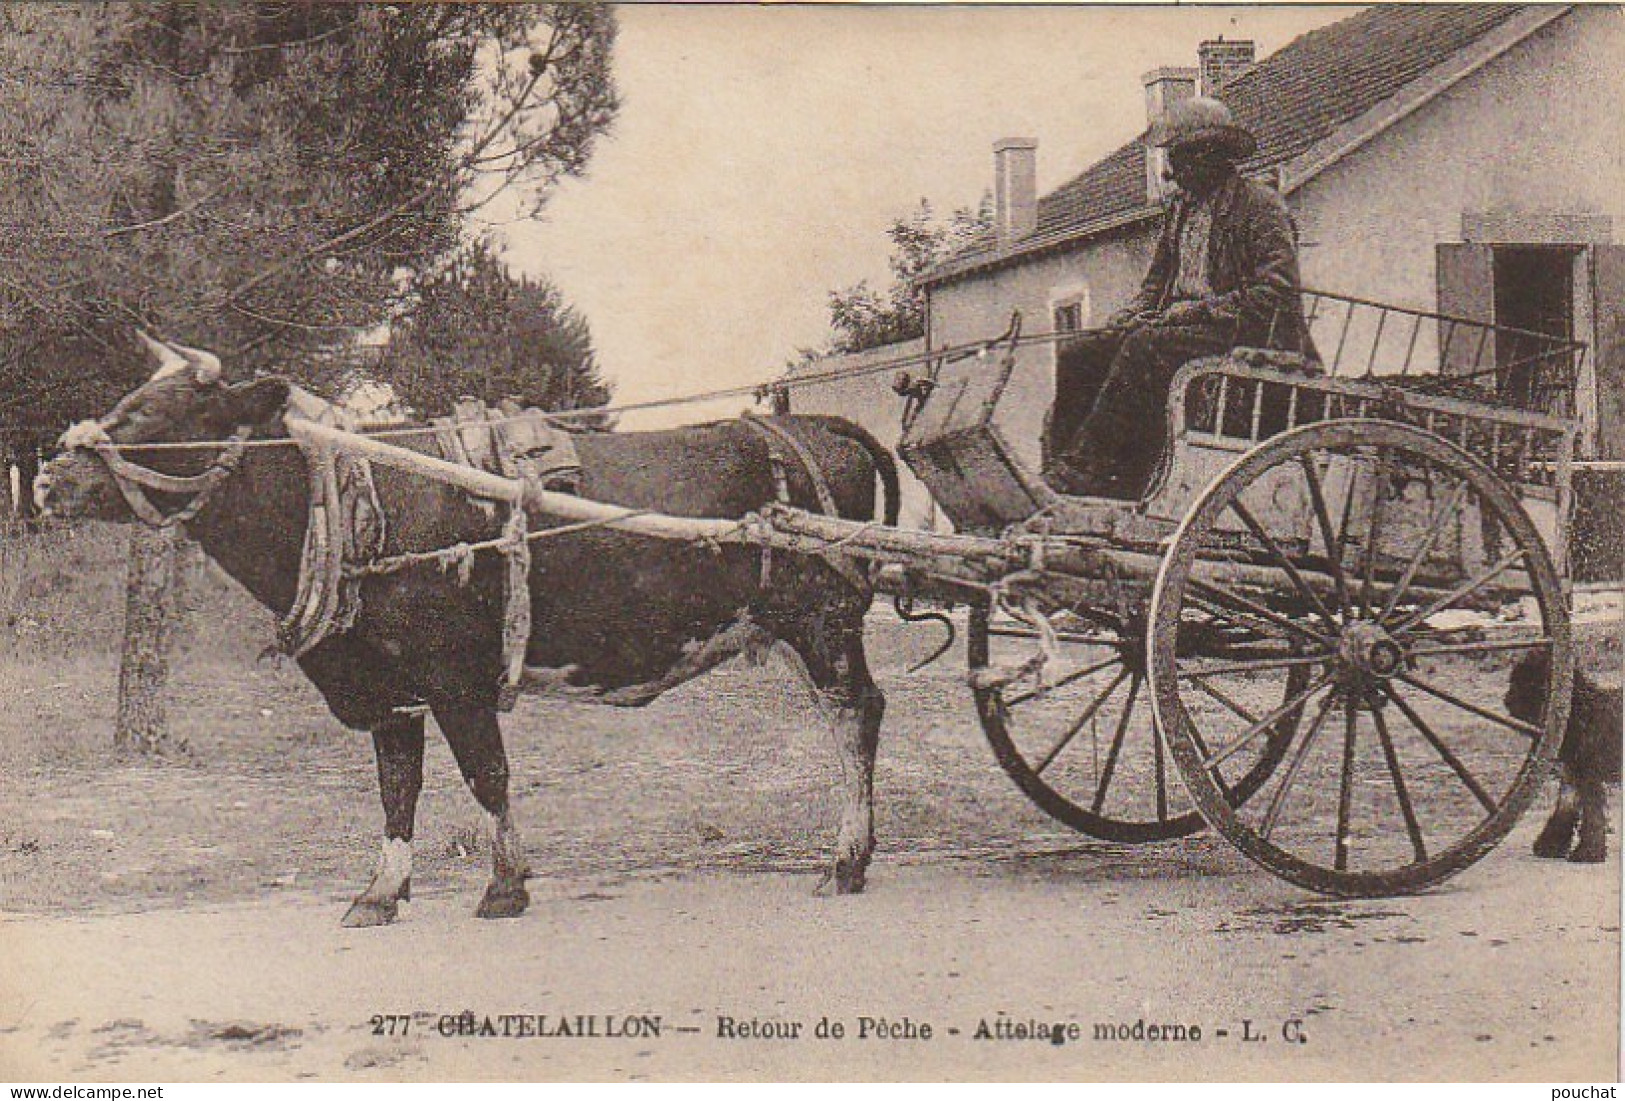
(476, 330)
(863, 317)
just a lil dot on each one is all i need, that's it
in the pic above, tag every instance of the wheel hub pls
(1367, 655)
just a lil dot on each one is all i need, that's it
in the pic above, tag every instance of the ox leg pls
(1554, 840)
(1592, 847)
(834, 663)
(476, 741)
(398, 743)
(1559, 832)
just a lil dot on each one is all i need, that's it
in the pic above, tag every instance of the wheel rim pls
(1083, 745)
(1409, 765)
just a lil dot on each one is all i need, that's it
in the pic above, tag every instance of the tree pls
(475, 329)
(863, 317)
(254, 179)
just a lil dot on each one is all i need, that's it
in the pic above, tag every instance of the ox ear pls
(257, 401)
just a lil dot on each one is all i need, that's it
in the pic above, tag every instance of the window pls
(1069, 309)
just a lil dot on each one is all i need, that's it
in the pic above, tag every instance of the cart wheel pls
(1386, 563)
(1079, 740)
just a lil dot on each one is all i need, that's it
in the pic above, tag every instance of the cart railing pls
(1223, 407)
(1225, 404)
(1440, 353)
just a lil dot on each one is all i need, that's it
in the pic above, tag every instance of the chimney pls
(1221, 60)
(1015, 187)
(1163, 88)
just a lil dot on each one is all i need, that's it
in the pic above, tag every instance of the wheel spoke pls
(1219, 613)
(1214, 760)
(1435, 526)
(1482, 646)
(1334, 549)
(1287, 565)
(1070, 678)
(1278, 800)
(1203, 686)
(1345, 790)
(1484, 713)
(1088, 713)
(1373, 528)
(1249, 666)
(1117, 746)
(1162, 774)
(1441, 749)
(1236, 600)
(1412, 826)
(1461, 592)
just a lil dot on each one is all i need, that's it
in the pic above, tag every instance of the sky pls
(761, 152)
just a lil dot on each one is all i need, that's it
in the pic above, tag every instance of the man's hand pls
(1184, 313)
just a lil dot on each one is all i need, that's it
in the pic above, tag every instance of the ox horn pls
(170, 362)
(205, 365)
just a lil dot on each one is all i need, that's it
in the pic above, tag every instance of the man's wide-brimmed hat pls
(1202, 123)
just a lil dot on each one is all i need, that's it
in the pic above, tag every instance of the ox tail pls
(885, 465)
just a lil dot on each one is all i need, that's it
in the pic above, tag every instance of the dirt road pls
(1508, 972)
(177, 919)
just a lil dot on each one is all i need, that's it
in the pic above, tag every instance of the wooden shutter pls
(1466, 290)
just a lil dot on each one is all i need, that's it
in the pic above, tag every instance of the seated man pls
(1225, 274)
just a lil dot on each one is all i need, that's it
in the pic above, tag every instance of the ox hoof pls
(843, 879)
(849, 883)
(368, 912)
(1589, 852)
(503, 901)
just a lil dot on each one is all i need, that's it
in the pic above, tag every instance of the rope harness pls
(133, 480)
(346, 529)
(528, 446)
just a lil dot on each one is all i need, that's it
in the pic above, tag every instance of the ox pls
(1589, 759)
(623, 615)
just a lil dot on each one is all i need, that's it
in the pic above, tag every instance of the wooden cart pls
(1306, 619)
(1309, 614)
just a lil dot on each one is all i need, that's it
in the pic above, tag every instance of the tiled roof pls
(1320, 80)
(1290, 100)
(1115, 185)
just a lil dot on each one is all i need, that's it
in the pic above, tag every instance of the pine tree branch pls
(417, 198)
(265, 47)
(155, 223)
(289, 323)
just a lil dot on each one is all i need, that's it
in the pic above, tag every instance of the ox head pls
(185, 401)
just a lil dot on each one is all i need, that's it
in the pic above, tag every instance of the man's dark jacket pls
(1252, 267)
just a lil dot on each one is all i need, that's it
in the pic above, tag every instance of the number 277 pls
(391, 1024)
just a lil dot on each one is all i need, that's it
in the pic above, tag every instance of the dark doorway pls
(1534, 291)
